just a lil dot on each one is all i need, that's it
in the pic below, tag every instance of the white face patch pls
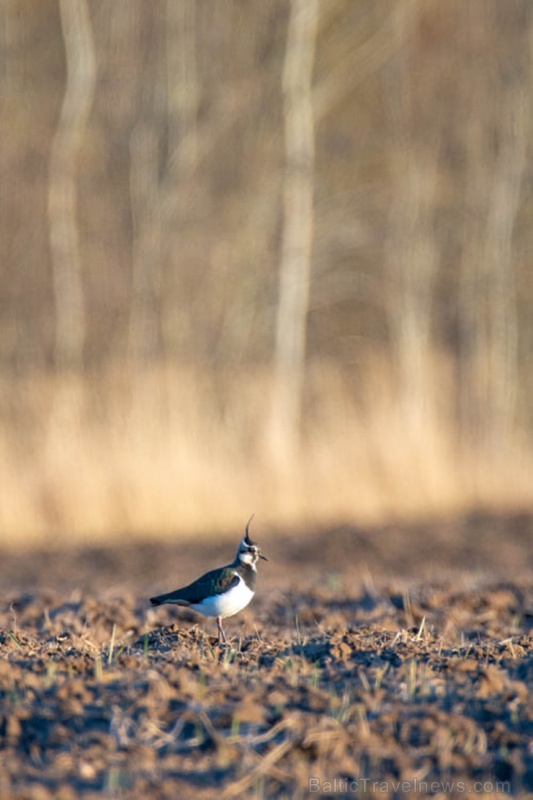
(247, 554)
(248, 557)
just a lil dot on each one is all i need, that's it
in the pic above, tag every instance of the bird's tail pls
(170, 597)
(157, 601)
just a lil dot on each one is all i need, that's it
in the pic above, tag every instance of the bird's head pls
(248, 552)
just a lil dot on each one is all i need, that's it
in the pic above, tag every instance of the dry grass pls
(170, 450)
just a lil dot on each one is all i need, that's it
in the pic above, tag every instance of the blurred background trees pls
(240, 234)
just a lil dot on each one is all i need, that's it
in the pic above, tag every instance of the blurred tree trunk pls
(157, 184)
(183, 92)
(62, 194)
(8, 41)
(488, 310)
(410, 254)
(143, 333)
(184, 145)
(504, 200)
(472, 288)
(296, 252)
(488, 314)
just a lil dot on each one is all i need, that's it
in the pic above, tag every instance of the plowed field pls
(394, 662)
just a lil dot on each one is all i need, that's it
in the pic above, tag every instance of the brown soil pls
(393, 662)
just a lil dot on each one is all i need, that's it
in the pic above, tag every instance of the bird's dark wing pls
(212, 583)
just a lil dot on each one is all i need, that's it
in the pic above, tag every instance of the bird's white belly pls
(227, 604)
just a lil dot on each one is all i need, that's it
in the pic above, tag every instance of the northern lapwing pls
(221, 592)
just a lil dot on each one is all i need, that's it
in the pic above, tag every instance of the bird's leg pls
(221, 634)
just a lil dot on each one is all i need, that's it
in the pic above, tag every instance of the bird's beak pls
(263, 557)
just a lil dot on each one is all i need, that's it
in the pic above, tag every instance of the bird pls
(221, 592)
